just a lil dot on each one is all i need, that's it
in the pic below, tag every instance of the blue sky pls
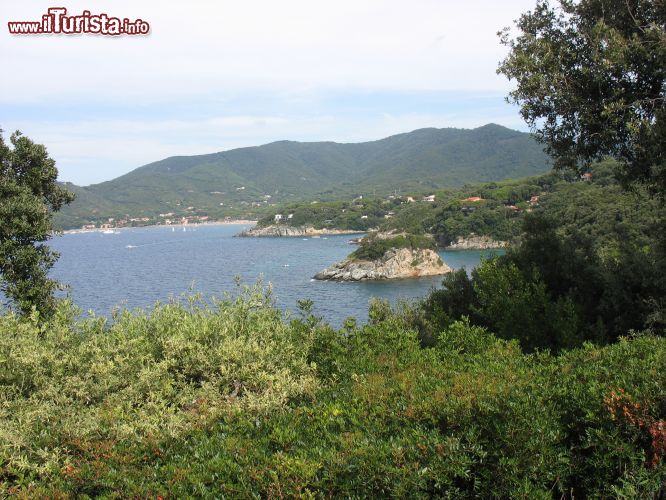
(218, 75)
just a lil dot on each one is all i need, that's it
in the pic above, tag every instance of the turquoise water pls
(138, 267)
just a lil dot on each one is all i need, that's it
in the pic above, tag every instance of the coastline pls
(240, 222)
(275, 231)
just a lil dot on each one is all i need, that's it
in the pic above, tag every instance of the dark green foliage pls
(511, 304)
(373, 248)
(414, 218)
(591, 81)
(452, 215)
(454, 300)
(590, 266)
(231, 402)
(29, 195)
(243, 179)
(487, 219)
(510, 301)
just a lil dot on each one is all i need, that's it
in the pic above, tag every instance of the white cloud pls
(219, 46)
(214, 75)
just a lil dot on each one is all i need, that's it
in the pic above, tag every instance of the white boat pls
(108, 231)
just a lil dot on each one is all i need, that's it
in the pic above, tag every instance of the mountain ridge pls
(239, 181)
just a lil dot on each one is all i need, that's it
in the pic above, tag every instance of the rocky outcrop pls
(290, 231)
(395, 263)
(376, 235)
(474, 243)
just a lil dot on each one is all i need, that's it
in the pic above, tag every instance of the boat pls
(108, 231)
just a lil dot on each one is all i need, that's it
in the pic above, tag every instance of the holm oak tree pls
(591, 83)
(29, 194)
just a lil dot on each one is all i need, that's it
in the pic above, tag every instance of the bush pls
(372, 248)
(231, 401)
(148, 375)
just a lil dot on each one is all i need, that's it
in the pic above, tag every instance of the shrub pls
(231, 401)
(146, 375)
(372, 248)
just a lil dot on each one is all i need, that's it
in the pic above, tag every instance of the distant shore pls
(198, 224)
(293, 231)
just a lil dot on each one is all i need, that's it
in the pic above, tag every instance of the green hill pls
(241, 182)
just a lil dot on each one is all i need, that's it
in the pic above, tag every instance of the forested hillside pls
(243, 182)
(494, 209)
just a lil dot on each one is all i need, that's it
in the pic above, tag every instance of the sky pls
(217, 75)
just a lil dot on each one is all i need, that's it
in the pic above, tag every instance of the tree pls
(591, 83)
(29, 195)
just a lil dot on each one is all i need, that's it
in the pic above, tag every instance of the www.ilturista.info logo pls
(56, 21)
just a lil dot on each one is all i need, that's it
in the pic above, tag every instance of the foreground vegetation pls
(235, 400)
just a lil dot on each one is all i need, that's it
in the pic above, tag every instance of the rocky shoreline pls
(474, 243)
(394, 264)
(290, 231)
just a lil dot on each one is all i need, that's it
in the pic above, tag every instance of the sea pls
(137, 267)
